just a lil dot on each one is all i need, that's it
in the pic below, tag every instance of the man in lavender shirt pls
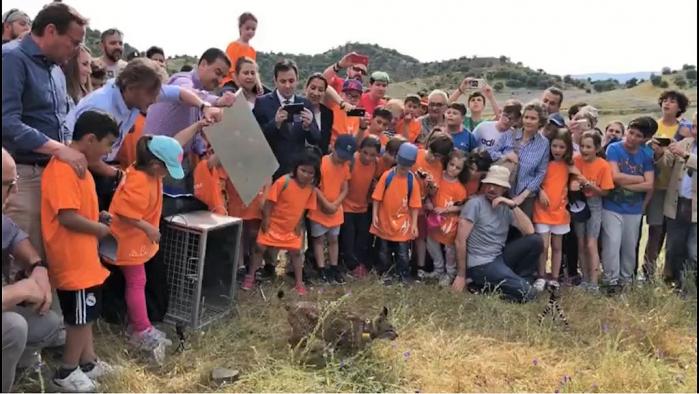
(168, 118)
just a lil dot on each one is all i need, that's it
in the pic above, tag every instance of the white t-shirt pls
(487, 135)
(115, 69)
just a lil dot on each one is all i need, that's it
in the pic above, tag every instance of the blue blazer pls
(289, 141)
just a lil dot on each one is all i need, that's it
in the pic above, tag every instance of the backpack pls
(411, 180)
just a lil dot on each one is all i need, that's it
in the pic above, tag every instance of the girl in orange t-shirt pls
(136, 209)
(428, 168)
(551, 218)
(595, 180)
(282, 217)
(444, 209)
(247, 26)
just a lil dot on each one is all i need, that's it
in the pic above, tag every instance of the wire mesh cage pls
(200, 251)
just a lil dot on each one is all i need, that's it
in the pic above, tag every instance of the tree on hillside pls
(504, 59)
(680, 81)
(691, 75)
(667, 71)
(568, 79)
(631, 83)
(655, 80)
(499, 86)
(686, 67)
(664, 84)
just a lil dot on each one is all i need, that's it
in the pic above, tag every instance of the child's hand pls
(441, 211)
(153, 234)
(414, 230)
(544, 199)
(375, 221)
(102, 231)
(105, 218)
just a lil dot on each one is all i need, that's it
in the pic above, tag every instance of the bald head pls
(9, 174)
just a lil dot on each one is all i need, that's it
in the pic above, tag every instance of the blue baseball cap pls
(557, 120)
(345, 146)
(170, 152)
(407, 155)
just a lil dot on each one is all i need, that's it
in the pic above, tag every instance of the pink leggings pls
(135, 276)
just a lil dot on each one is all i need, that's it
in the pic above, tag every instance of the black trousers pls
(354, 239)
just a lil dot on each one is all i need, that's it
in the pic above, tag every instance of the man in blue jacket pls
(287, 131)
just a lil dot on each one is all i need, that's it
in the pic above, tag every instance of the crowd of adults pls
(504, 224)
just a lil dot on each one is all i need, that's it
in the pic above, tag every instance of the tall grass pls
(644, 340)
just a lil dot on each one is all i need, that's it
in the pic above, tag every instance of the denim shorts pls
(591, 228)
(318, 230)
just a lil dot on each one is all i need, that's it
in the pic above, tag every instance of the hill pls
(619, 77)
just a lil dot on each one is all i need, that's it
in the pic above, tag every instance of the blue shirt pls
(108, 99)
(34, 100)
(533, 159)
(621, 200)
(464, 141)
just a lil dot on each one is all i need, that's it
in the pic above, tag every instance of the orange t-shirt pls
(357, 200)
(556, 187)
(342, 124)
(73, 257)
(434, 169)
(369, 104)
(395, 219)
(449, 194)
(236, 50)
(127, 152)
(382, 167)
(413, 129)
(289, 206)
(139, 196)
(472, 187)
(332, 177)
(598, 172)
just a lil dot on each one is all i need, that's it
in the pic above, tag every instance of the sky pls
(559, 36)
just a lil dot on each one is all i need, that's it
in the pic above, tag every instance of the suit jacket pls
(326, 128)
(679, 168)
(289, 141)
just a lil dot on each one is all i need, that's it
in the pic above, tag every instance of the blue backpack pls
(392, 174)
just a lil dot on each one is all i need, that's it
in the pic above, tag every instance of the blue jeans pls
(512, 271)
(681, 246)
(354, 239)
(388, 250)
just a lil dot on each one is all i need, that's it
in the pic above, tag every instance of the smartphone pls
(360, 59)
(475, 83)
(357, 112)
(293, 109)
(663, 142)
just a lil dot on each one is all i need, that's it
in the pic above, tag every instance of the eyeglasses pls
(10, 184)
(436, 104)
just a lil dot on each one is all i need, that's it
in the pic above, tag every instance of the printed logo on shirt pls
(91, 300)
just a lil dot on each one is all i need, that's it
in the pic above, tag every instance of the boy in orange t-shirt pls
(428, 168)
(355, 230)
(282, 218)
(326, 220)
(71, 228)
(408, 126)
(377, 126)
(394, 214)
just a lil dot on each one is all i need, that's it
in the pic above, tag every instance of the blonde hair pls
(396, 107)
(590, 113)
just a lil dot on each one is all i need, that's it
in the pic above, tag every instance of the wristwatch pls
(203, 105)
(40, 263)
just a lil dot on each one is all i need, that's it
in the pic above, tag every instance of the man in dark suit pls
(287, 134)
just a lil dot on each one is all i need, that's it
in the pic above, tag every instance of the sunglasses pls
(10, 185)
(359, 70)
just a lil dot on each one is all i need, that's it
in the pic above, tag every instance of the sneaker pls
(592, 288)
(97, 369)
(360, 272)
(539, 285)
(248, 283)
(76, 382)
(149, 339)
(445, 280)
(554, 284)
(300, 289)
(267, 273)
(325, 276)
(337, 275)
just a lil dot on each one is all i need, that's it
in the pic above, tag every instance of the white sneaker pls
(149, 339)
(539, 285)
(445, 280)
(100, 369)
(554, 283)
(76, 382)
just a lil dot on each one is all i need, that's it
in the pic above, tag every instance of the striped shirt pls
(533, 159)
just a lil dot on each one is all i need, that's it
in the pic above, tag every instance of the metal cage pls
(200, 251)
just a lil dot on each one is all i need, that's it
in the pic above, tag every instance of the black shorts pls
(80, 306)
